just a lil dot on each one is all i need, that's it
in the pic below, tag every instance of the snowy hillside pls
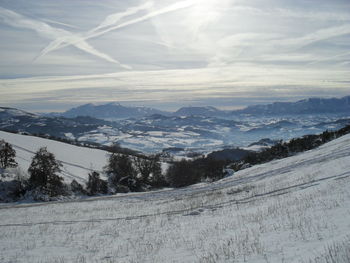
(77, 161)
(291, 210)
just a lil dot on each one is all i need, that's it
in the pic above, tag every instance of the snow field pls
(77, 161)
(291, 210)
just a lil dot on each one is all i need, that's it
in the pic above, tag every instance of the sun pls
(192, 29)
(204, 13)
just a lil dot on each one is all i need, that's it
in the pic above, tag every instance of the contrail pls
(57, 23)
(114, 18)
(168, 9)
(16, 20)
(108, 21)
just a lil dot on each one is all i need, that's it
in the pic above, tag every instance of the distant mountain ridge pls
(194, 133)
(110, 111)
(307, 106)
(115, 111)
(12, 119)
(207, 111)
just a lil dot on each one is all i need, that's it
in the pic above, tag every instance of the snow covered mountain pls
(115, 111)
(20, 121)
(110, 111)
(200, 111)
(8, 113)
(188, 133)
(308, 106)
(289, 210)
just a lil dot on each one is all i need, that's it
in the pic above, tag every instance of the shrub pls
(96, 185)
(77, 188)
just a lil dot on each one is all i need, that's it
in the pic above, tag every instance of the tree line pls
(286, 149)
(123, 173)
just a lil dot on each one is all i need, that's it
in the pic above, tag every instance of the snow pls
(69, 135)
(291, 210)
(77, 161)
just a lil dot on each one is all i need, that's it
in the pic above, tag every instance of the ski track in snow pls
(287, 210)
(220, 205)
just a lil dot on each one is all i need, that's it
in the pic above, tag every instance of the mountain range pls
(307, 106)
(110, 111)
(187, 129)
(116, 111)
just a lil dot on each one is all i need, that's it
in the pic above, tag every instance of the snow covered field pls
(77, 161)
(291, 210)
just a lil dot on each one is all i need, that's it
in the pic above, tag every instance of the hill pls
(77, 161)
(290, 210)
(12, 119)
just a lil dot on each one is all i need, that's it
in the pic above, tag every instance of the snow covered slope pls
(291, 210)
(77, 161)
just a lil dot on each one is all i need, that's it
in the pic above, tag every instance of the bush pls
(77, 188)
(96, 185)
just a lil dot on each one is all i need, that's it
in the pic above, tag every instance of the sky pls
(166, 54)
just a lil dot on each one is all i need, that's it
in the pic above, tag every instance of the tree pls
(96, 185)
(183, 173)
(43, 172)
(149, 169)
(121, 171)
(7, 155)
(210, 168)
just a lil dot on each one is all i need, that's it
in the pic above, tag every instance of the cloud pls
(57, 23)
(211, 50)
(115, 18)
(108, 21)
(198, 83)
(318, 35)
(16, 20)
(294, 13)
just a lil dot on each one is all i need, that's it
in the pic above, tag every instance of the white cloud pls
(111, 23)
(318, 35)
(248, 79)
(178, 50)
(16, 20)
